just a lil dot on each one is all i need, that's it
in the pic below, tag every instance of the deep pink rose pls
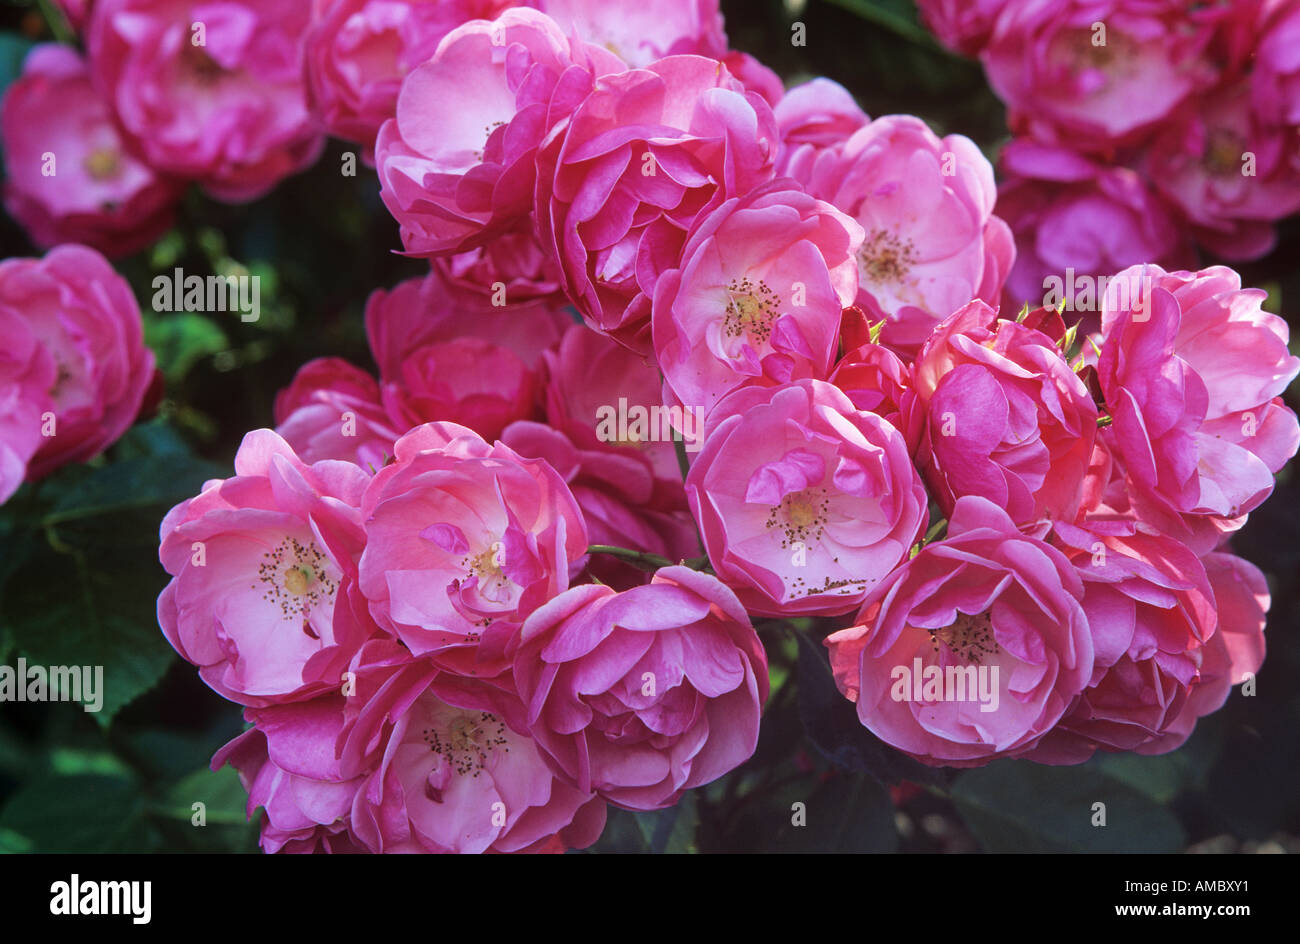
(643, 694)
(264, 568)
(926, 205)
(288, 765)
(27, 373)
(69, 177)
(804, 503)
(1074, 217)
(357, 52)
(994, 410)
(620, 186)
(757, 298)
(468, 381)
(971, 650)
(1192, 371)
(874, 379)
(85, 318)
(332, 410)
(1275, 80)
(1152, 613)
(432, 309)
(812, 118)
(961, 25)
(639, 32)
(456, 164)
(208, 90)
(1094, 75)
(463, 541)
(447, 769)
(1229, 172)
(511, 268)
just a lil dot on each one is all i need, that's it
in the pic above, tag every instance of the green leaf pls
(182, 339)
(88, 813)
(222, 795)
(13, 50)
(1019, 806)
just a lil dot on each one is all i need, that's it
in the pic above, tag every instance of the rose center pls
(103, 163)
(885, 258)
(969, 638)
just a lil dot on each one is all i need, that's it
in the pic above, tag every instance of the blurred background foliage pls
(79, 573)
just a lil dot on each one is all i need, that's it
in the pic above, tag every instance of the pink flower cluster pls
(1138, 124)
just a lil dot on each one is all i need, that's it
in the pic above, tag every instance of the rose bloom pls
(962, 25)
(228, 111)
(994, 410)
(639, 32)
(264, 569)
(94, 371)
(987, 599)
(1231, 173)
(511, 267)
(27, 373)
(432, 310)
(644, 694)
(620, 186)
(874, 379)
(812, 118)
(456, 164)
(332, 410)
(96, 193)
(1192, 372)
(1071, 213)
(288, 766)
(1275, 80)
(463, 541)
(758, 296)
(804, 503)
(448, 769)
(1069, 82)
(357, 52)
(1152, 612)
(926, 205)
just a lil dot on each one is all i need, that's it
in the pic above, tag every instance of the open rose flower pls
(926, 205)
(89, 190)
(264, 571)
(804, 503)
(1152, 613)
(973, 649)
(211, 92)
(619, 187)
(463, 541)
(758, 297)
(644, 694)
(93, 372)
(812, 118)
(448, 769)
(332, 410)
(456, 164)
(1192, 371)
(357, 52)
(1095, 74)
(994, 410)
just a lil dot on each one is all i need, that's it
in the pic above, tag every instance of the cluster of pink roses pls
(425, 586)
(1143, 128)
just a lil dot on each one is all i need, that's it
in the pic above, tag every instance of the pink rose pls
(639, 32)
(89, 190)
(456, 164)
(758, 295)
(644, 694)
(804, 503)
(973, 649)
(432, 309)
(463, 541)
(812, 118)
(357, 52)
(1275, 80)
(287, 763)
(619, 187)
(1094, 75)
(994, 410)
(27, 373)
(874, 379)
(467, 381)
(511, 268)
(332, 410)
(264, 569)
(94, 370)
(208, 91)
(1152, 613)
(926, 205)
(962, 25)
(1192, 371)
(447, 770)
(1230, 173)
(1075, 217)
